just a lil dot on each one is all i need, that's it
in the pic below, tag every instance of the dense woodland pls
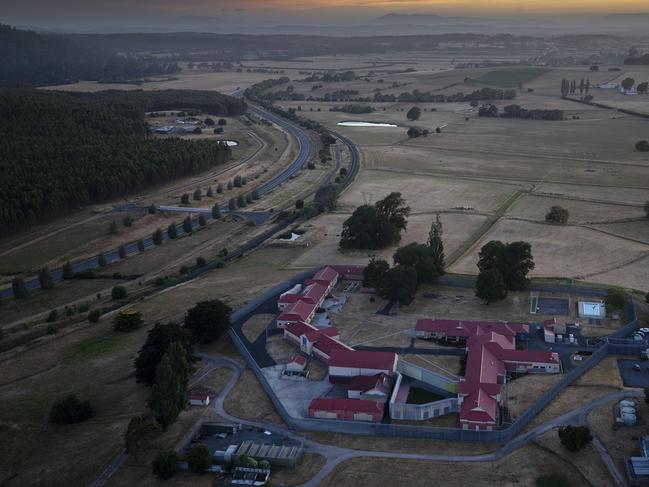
(60, 151)
(31, 59)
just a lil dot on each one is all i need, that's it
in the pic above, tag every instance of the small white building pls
(297, 363)
(199, 399)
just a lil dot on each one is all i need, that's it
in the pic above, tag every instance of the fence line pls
(407, 431)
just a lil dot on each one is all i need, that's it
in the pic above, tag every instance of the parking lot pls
(631, 377)
(221, 441)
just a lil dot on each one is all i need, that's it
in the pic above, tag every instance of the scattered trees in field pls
(198, 194)
(326, 197)
(71, 410)
(187, 225)
(377, 226)
(208, 320)
(45, 278)
(216, 212)
(516, 111)
(557, 214)
(574, 438)
(127, 320)
(627, 83)
(420, 258)
(202, 221)
(413, 114)
(232, 204)
(172, 230)
(155, 346)
(101, 260)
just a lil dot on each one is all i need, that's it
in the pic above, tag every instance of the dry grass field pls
(521, 468)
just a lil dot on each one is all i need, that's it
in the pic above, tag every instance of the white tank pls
(627, 403)
(629, 419)
(627, 410)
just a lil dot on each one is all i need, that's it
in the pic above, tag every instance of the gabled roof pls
(363, 359)
(300, 328)
(327, 274)
(298, 311)
(297, 359)
(315, 335)
(479, 407)
(466, 328)
(327, 345)
(344, 404)
(315, 292)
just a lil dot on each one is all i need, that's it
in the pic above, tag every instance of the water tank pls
(627, 410)
(627, 403)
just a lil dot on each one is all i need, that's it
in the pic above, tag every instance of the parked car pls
(636, 367)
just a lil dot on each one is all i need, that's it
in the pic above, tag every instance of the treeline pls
(331, 77)
(638, 60)
(30, 59)
(60, 151)
(516, 111)
(352, 109)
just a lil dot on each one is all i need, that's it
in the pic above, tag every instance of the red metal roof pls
(363, 359)
(327, 345)
(479, 407)
(364, 383)
(315, 335)
(199, 396)
(466, 328)
(344, 404)
(315, 292)
(298, 311)
(354, 272)
(300, 328)
(327, 274)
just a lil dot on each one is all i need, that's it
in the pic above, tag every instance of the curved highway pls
(304, 150)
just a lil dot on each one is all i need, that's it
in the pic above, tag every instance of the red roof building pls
(297, 363)
(329, 275)
(350, 272)
(348, 409)
(326, 345)
(371, 387)
(298, 311)
(460, 330)
(307, 336)
(490, 356)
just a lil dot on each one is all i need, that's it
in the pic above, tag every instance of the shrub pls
(53, 316)
(184, 270)
(551, 480)
(199, 459)
(299, 204)
(127, 221)
(94, 315)
(557, 214)
(71, 410)
(574, 438)
(52, 330)
(165, 465)
(118, 292)
(201, 262)
(159, 281)
(127, 320)
(117, 275)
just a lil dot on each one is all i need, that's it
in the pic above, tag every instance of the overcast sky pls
(88, 14)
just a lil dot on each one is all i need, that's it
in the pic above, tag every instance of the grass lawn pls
(91, 348)
(510, 78)
(422, 396)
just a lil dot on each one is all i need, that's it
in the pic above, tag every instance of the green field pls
(91, 348)
(510, 78)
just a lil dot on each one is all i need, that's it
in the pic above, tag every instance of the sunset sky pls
(149, 12)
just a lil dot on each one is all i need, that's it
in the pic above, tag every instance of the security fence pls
(265, 301)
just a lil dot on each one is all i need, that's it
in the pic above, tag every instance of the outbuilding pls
(199, 399)
(348, 409)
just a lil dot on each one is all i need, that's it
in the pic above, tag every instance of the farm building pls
(296, 363)
(490, 356)
(370, 387)
(347, 363)
(459, 331)
(349, 409)
(199, 399)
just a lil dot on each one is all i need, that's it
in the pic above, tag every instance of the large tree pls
(557, 214)
(419, 257)
(208, 320)
(490, 286)
(399, 284)
(437, 245)
(513, 260)
(127, 320)
(627, 83)
(140, 431)
(574, 438)
(45, 278)
(169, 391)
(414, 113)
(616, 299)
(199, 458)
(376, 227)
(374, 272)
(155, 346)
(71, 410)
(326, 197)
